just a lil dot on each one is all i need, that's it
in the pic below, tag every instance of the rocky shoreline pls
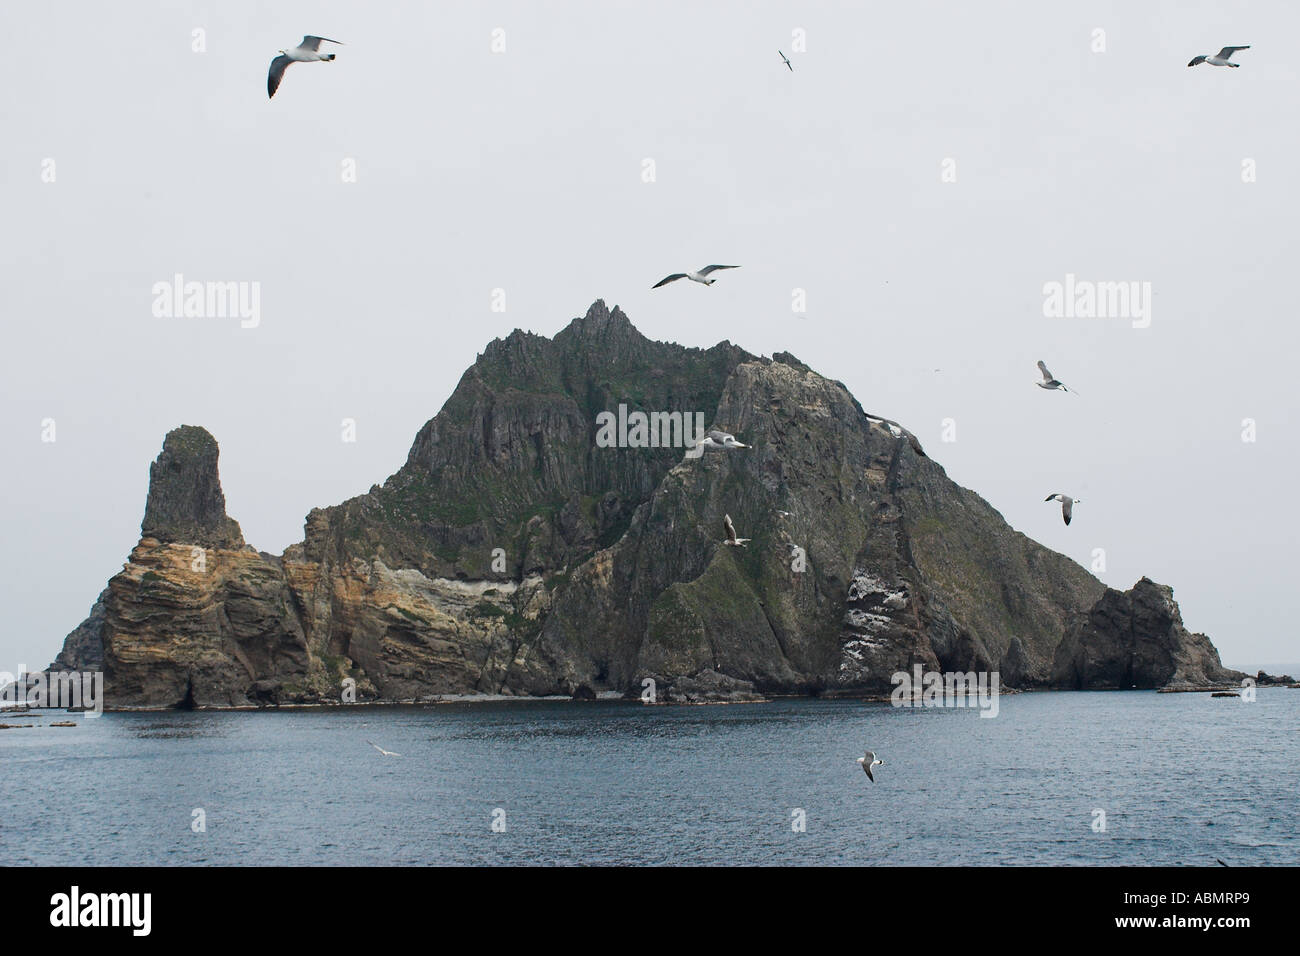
(607, 697)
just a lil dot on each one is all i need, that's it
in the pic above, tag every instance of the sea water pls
(1132, 778)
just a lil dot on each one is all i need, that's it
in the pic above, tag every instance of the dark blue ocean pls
(1181, 778)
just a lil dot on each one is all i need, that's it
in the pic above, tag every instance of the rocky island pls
(512, 554)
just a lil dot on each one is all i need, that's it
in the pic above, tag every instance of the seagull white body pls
(701, 276)
(719, 439)
(1067, 504)
(386, 753)
(787, 60)
(868, 762)
(730, 530)
(1219, 59)
(1049, 381)
(308, 51)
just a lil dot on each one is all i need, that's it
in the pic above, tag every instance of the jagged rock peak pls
(185, 503)
(601, 323)
(517, 343)
(786, 358)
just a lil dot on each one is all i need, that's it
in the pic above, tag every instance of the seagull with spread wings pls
(787, 60)
(868, 762)
(1067, 505)
(1219, 59)
(1049, 381)
(730, 530)
(308, 51)
(386, 753)
(701, 276)
(719, 439)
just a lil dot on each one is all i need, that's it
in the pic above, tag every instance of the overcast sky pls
(523, 170)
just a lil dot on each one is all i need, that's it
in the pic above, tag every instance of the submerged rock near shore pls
(513, 555)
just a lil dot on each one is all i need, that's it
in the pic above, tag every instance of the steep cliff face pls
(514, 554)
(196, 617)
(185, 502)
(83, 648)
(896, 564)
(1136, 638)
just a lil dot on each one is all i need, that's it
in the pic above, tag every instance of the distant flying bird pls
(386, 753)
(787, 60)
(868, 762)
(719, 439)
(1049, 381)
(1220, 58)
(1067, 504)
(731, 533)
(1220, 862)
(693, 276)
(783, 514)
(308, 51)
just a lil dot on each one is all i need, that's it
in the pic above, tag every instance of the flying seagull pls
(1067, 504)
(1049, 381)
(386, 753)
(868, 762)
(308, 51)
(700, 276)
(731, 533)
(719, 439)
(1219, 59)
(787, 60)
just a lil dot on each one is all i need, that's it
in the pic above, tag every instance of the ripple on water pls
(617, 782)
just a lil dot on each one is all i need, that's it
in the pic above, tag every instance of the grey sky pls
(522, 170)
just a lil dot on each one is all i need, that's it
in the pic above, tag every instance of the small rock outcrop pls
(1265, 679)
(1136, 639)
(708, 687)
